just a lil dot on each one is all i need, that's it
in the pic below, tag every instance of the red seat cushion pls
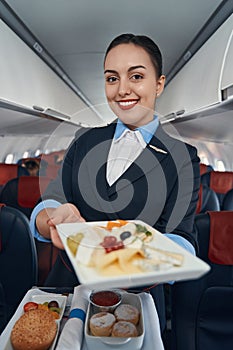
(199, 203)
(221, 237)
(8, 172)
(221, 182)
(30, 189)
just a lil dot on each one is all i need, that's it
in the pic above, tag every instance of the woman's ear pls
(160, 85)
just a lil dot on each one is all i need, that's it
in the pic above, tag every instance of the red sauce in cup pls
(105, 298)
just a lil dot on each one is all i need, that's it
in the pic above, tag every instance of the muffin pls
(124, 329)
(101, 324)
(34, 330)
(127, 312)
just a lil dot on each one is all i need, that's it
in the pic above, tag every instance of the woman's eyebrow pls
(129, 70)
(110, 71)
(136, 67)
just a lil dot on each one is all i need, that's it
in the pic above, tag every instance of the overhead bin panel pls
(198, 84)
(227, 75)
(28, 81)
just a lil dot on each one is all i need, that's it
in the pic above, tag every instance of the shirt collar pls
(147, 131)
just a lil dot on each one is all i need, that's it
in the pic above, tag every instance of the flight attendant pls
(129, 169)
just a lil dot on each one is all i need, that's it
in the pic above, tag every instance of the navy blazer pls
(160, 187)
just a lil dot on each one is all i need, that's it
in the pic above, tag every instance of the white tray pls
(192, 267)
(37, 296)
(150, 319)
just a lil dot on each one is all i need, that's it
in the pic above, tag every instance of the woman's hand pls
(64, 213)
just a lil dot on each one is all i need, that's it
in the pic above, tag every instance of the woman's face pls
(131, 85)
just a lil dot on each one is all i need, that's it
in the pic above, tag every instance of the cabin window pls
(26, 154)
(220, 165)
(203, 159)
(38, 152)
(9, 158)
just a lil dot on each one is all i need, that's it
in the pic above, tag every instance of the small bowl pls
(128, 343)
(105, 300)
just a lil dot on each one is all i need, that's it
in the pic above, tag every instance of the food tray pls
(191, 268)
(37, 296)
(102, 343)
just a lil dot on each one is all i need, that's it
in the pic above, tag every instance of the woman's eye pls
(111, 79)
(136, 76)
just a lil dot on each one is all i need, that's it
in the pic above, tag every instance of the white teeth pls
(127, 103)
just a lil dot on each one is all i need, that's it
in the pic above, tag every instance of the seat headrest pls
(221, 237)
(8, 172)
(205, 168)
(221, 182)
(30, 189)
(207, 200)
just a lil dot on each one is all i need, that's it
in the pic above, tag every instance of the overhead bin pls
(205, 80)
(227, 74)
(27, 81)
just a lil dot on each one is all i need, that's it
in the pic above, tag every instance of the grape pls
(110, 244)
(53, 303)
(110, 240)
(124, 235)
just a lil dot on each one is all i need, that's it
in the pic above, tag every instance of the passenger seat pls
(24, 192)
(10, 171)
(204, 168)
(207, 200)
(220, 182)
(202, 309)
(227, 203)
(18, 261)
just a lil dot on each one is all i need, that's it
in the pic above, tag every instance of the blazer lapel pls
(96, 168)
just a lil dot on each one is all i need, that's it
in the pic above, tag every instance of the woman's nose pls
(124, 87)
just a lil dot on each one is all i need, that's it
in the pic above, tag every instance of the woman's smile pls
(127, 104)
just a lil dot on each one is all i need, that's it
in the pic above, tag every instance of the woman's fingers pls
(65, 213)
(55, 238)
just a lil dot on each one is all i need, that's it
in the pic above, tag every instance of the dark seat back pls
(18, 261)
(207, 200)
(227, 203)
(10, 171)
(24, 192)
(202, 309)
(219, 181)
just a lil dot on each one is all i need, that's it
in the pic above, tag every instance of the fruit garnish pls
(110, 244)
(30, 306)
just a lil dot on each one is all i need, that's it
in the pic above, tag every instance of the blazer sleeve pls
(188, 183)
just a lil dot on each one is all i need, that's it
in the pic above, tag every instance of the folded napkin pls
(72, 334)
(152, 338)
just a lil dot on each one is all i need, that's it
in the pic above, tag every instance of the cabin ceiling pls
(76, 33)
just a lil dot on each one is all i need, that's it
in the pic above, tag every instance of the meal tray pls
(191, 268)
(37, 296)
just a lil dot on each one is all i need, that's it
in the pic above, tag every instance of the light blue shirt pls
(48, 203)
(147, 131)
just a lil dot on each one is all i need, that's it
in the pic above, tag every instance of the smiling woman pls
(134, 82)
(60, 88)
(130, 169)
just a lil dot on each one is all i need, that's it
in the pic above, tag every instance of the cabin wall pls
(28, 81)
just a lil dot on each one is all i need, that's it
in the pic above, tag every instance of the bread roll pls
(127, 312)
(101, 324)
(124, 329)
(34, 330)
